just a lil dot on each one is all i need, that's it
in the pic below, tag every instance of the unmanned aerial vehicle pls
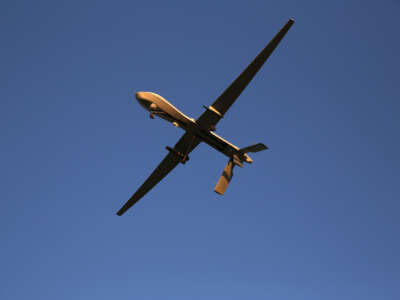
(203, 128)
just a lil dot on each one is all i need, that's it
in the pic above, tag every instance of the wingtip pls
(290, 22)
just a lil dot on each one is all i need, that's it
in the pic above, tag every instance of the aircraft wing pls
(186, 144)
(216, 111)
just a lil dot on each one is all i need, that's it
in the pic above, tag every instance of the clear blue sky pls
(315, 217)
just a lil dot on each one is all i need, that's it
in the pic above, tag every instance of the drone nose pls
(142, 99)
(139, 95)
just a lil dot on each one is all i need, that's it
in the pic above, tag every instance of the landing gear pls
(182, 156)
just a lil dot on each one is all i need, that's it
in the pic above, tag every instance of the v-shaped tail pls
(237, 159)
(225, 178)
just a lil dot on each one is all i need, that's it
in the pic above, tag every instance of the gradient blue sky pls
(315, 217)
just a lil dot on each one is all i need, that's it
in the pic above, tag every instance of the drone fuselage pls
(160, 107)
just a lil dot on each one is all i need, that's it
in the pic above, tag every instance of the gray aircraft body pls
(203, 129)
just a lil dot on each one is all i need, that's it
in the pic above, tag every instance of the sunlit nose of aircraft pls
(141, 98)
(139, 95)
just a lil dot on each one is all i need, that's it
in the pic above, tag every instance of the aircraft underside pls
(202, 129)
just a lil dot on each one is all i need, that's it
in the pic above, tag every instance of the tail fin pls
(225, 178)
(254, 148)
(237, 159)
